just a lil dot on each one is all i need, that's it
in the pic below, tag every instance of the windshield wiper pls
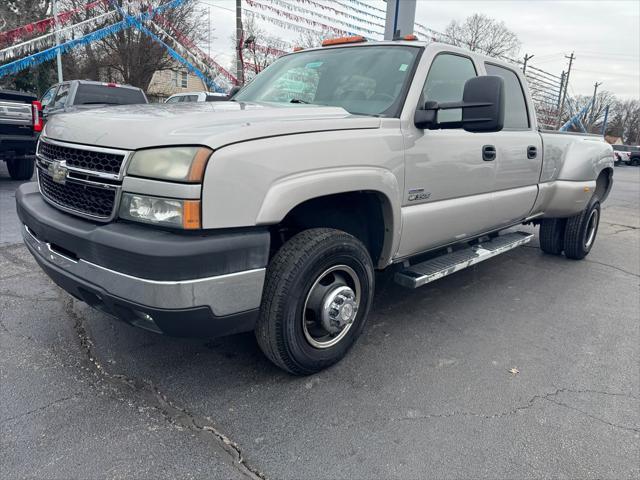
(297, 100)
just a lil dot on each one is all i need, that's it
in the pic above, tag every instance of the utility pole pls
(562, 77)
(527, 57)
(593, 102)
(604, 123)
(239, 44)
(566, 84)
(57, 35)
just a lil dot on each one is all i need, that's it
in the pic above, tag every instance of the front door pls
(450, 174)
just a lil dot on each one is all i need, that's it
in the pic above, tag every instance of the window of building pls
(180, 79)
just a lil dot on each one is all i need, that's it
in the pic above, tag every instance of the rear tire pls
(21, 168)
(294, 329)
(552, 235)
(635, 162)
(581, 230)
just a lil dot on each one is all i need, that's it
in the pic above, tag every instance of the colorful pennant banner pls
(25, 48)
(44, 25)
(297, 18)
(310, 13)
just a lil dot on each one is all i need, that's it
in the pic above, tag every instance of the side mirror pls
(482, 107)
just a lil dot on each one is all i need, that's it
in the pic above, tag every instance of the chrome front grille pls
(96, 161)
(90, 200)
(82, 180)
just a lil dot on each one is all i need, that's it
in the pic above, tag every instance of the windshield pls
(362, 80)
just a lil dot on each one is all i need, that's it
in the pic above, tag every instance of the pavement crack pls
(550, 397)
(31, 298)
(593, 417)
(624, 228)
(613, 266)
(147, 392)
(39, 409)
(8, 254)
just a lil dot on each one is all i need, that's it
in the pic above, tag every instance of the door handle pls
(488, 153)
(532, 152)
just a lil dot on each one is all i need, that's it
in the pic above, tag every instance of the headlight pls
(161, 211)
(178, 164)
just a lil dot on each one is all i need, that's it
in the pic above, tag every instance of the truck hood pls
(213, 124)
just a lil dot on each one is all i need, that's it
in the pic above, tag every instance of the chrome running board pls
(422, 273)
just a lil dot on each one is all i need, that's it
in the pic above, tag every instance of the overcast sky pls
(604, 35)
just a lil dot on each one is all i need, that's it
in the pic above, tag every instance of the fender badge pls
(416, 194)
(58, 172)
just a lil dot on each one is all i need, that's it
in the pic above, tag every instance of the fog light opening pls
(144, 320)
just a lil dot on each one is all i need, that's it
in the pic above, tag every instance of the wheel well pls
(361, 214)
(604, 183)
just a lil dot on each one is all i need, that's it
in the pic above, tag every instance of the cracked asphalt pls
(426, 392)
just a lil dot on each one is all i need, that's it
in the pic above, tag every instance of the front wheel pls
(21, 168)
(580, 232)
(317, 296)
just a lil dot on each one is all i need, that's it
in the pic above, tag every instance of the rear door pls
(448, 182)
(519, 151)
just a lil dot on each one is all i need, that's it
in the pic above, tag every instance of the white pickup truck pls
(272, 212)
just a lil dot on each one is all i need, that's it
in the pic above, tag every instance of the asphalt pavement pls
(524, 366)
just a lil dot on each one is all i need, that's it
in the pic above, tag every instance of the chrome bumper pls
(224, 294)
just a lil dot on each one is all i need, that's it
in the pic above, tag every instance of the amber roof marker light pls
(343, 40)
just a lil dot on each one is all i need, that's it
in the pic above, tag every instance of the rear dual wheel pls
(317, 296)
(580, 232)
(574, 235)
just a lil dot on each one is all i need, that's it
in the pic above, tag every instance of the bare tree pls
(593, 117)
(132, 56)
(14, 13)
(483, 34)
(312, 38)
(625, 121)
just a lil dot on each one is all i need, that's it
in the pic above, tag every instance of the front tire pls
(21, 168)
(317, 296)
(581, 230)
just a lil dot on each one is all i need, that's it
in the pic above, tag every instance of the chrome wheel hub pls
(331, 306)
(339, 309)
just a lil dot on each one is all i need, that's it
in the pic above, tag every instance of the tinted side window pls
(48, 96)
(445, 83)
(61, 96)
(515, 114)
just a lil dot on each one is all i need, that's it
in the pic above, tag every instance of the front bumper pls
(68, 248)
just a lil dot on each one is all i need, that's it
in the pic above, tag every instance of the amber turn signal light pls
(191, 215)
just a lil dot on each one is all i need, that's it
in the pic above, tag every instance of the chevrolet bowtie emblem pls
(58, 172)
